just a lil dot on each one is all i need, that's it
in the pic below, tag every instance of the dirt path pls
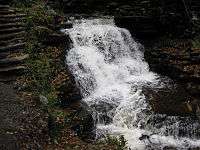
(9, 125)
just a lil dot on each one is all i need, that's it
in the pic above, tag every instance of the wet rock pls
(82, 122)
(67, 25)
(69, 92)
(77, 116)
(173, 100)
(43, 100)
(56, 39)
(171, 58)
(103, 112)
(169, 148)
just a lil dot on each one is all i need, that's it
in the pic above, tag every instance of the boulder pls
(82, 121)
(77, 116)
(69, 92)
(171, 100)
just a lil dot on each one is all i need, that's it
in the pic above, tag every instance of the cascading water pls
(109, 67)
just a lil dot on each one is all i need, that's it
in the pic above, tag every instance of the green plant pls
(58, 120)
(41, 63)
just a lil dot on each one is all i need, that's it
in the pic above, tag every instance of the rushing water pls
(110, 69)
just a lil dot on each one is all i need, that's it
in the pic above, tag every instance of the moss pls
(42, 64)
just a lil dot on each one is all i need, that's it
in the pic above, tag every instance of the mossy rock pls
(77, 116)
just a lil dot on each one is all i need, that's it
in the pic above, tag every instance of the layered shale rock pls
(138, 16)
(178, 60)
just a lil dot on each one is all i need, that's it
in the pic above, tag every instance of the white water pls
(109, 67)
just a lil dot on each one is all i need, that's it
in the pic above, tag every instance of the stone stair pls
(12, 42)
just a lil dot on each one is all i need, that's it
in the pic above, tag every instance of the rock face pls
(114, 7)
(137, 16)
(82, 122)
(69, 92)
(144, 18)
(73, 112)
(76, 113)
(171, 100)
(176, 59)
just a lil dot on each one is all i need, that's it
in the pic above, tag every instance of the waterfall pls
(109, 67)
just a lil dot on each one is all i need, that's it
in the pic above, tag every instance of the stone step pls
(17, 52)
(7, 12)
(12, 47)
(7, 78)
(12, 16)
(4, 55)
(11, 25)
(12, 68)
(13, 60)
(12, 41)
(11, 20)
(11, 36)
(4, 7)
(11, 30)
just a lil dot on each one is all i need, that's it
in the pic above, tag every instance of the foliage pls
(42, 64)
(56, 123)
(25, 3)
